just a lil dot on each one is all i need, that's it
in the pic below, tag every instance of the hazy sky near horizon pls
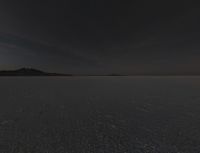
(100, 36)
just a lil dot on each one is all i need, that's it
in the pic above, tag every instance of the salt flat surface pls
(100, 115)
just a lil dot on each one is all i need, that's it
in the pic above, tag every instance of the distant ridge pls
(29, 72)
(35, 72)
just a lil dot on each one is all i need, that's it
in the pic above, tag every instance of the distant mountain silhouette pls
(29, 72)
(35, 72)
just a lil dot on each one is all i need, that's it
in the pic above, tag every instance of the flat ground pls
(100, 115)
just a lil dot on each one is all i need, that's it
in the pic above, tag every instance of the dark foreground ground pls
(100, 115)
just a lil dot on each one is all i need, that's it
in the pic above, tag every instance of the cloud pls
(43, 51)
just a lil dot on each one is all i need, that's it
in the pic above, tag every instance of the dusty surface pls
(100, 115)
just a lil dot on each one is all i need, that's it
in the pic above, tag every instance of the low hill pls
(29, 72)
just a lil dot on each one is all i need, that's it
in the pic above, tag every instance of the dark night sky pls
(100, 36)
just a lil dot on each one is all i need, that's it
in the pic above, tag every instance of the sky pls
(101, 36)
